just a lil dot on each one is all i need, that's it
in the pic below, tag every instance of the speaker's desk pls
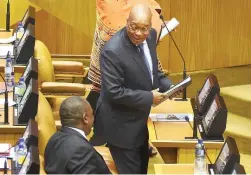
(169, 137)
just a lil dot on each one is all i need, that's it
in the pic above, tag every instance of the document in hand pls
(171, 25)
(178, 87)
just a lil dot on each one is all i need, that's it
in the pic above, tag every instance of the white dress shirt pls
(148, 57)
(79, 131)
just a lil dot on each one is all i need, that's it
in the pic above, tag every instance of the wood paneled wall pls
(66, 27)
(17, 9)
(211, 34)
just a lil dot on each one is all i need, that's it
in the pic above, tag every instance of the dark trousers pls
(95, 140)
(130, 161)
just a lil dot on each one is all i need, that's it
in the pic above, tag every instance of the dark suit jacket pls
(68, 152)
(126, 98)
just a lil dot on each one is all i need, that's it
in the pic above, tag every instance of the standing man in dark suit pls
(68, 151)
(129, 71)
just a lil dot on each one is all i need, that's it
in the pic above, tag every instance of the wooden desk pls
(6, 34)
(169, 137)
(174, 168)
(18, 69)
(8, 132)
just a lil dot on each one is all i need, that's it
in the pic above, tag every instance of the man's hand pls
(175, 94)
(157, 96)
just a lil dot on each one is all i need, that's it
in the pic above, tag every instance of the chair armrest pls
(68, 67)
(41, 160)
(86, 70)
(106, 154)
(62, 89)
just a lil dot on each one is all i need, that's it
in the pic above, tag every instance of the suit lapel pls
(134, 52)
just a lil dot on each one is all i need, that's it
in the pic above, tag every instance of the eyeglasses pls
(144, 30)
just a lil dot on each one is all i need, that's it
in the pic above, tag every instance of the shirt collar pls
(144, 42)
(79, 131)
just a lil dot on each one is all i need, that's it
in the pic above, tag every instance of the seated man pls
(68, 151)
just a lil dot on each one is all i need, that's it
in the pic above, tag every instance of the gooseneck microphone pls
(194, 128)
(195, 137)
(8, 16)
(6, 103)
(184, 96)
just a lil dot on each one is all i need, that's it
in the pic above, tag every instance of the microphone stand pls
(6, 103)
(194, 128)
(8, 17)
(195, 136)
(184, 95)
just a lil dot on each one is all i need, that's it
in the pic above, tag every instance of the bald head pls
(73, 110)
(139, 23)
(140, 12)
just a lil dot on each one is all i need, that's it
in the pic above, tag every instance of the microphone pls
(195, 136)
(184, 96)
(5, 170)
(6, 103)
(8, 16)
(194, 128)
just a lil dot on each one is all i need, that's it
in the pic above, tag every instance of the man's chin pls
(137, 42)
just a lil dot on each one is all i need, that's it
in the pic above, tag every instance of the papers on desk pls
(10, 102)
(4, 49)
(171, 117)
(4, 149)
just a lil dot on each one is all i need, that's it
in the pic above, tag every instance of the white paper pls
(171, 117)
(170, 25)
(4, 49)
(10, 101)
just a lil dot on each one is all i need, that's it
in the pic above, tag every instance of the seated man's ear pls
(85, 119)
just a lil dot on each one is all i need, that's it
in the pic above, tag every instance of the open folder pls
(178, 87)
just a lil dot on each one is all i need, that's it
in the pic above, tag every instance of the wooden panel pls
(10, 138)
(17, 9)
(66, 27)
(188, 155)
(163, 48)
(174, 168)
(169, 155)
(212, 34)
(181, 155)
(172, 130)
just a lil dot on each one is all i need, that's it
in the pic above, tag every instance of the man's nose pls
(138, 33)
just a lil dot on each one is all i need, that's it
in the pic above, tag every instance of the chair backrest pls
(45, 67)
(46, 123)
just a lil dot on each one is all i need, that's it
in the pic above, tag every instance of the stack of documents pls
(168, 117)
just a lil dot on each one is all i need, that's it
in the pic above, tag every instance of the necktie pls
(142, 54)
